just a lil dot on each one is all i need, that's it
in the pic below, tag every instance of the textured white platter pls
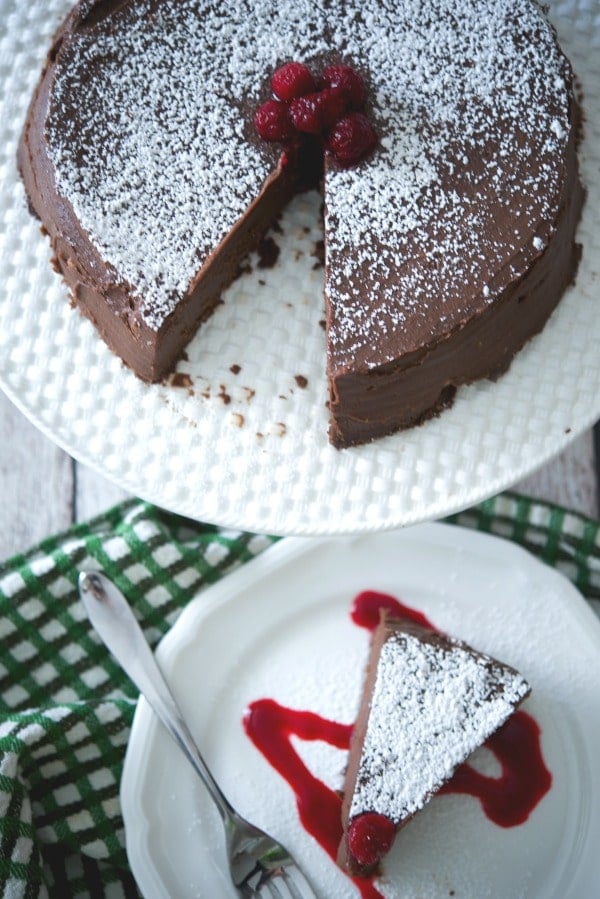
(250, 449)
(280, 628)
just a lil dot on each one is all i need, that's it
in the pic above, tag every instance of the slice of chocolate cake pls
(428, 702)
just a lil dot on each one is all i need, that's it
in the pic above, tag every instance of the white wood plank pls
(569, 480)
(36, 483)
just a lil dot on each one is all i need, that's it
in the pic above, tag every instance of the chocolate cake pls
(428, 702)
(446, 248)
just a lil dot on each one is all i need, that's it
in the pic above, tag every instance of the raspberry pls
(370, 837)
(301, 108)
(351, 138)
(348, 80)
(272, 121)
(333, 104)
(318, 111)
(292, 80)
(305, 113)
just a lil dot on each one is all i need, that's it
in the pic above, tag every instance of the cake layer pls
(445, 250)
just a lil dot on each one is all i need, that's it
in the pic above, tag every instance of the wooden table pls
(43, 490)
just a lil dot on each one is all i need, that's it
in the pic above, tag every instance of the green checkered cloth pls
(67, 707)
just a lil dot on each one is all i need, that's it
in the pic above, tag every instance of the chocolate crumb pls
(319, 254)
(281, 428)
(249, 393)
(238, 419)
(235, 369)
(268, 253)
(322, 323)
(181, 379)
(243, 269)
(301, 381)
(223, 395)
(261, 282)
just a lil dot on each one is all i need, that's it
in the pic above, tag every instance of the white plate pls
(280, 628)
(200, 453)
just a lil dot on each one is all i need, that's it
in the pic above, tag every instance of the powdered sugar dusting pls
(153, 150)
(474, 104)
(155, 153)
(432, 706)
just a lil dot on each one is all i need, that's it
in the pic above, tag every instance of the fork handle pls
(116, 624)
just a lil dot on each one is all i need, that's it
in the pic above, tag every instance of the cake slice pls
(428, 702)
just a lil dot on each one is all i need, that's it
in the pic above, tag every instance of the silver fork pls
(259, 865)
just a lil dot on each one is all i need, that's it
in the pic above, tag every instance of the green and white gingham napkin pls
(66, 707)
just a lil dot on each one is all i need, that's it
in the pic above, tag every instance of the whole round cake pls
(447, 246)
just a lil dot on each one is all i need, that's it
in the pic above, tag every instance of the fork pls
(258, 864)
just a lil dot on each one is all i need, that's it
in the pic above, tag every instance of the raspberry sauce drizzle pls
(507, 800)
(365, 610)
